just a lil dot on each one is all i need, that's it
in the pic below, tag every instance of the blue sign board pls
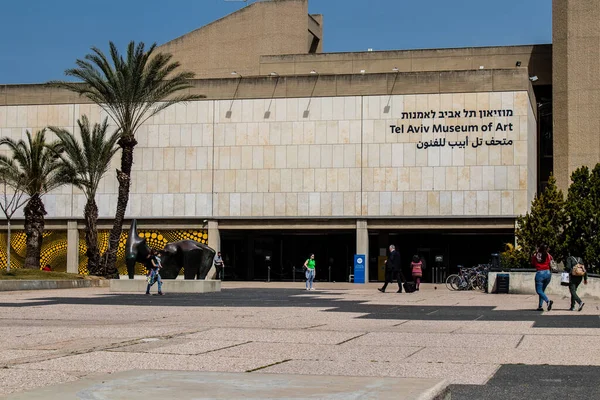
(359, 268)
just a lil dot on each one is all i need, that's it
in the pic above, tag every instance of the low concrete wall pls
(169, 286)
(524, 283)
(12, 285)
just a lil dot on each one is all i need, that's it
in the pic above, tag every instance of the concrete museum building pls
(295, 151)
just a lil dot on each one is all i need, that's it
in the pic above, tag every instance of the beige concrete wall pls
(236, 42)
(399, 179)
(576, 86)
(302, 86)
(311, 157)
(537, 60)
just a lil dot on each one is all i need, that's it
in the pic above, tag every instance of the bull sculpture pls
(195, 258)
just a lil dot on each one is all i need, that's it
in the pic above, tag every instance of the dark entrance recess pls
(442, 251)
(248, 254)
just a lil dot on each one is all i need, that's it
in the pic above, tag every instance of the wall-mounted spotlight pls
(533, 78)
(395, 69)
(274, 74)
(518, 63)
(314, 72)
(481, 67)
(229, 112)
(362, 71)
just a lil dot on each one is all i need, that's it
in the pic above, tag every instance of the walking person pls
(417, 271)
(395, 267)
(153, 266)
(541, 261)
(577, 273)
(310, 265)
(219, 266)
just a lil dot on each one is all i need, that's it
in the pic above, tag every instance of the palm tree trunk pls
(127, 143)
(91, 238)
(34, 229)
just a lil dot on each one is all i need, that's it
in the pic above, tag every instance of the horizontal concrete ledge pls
(169, 286)
(186, 385)
(524, 283)
(12, 285)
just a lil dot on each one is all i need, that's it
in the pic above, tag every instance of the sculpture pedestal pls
(169, 286)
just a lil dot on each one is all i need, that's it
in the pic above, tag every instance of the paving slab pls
(142, 385)
(475, 374)
(178, 346)
(276, 335)
(303, 351)
(446, 340)
(16, 380)
(108, 361)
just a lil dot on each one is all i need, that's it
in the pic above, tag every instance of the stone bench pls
(11, 285)
(169, 286)
(524, 283)
(188, 385)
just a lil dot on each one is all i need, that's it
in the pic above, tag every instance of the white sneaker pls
(312, 288)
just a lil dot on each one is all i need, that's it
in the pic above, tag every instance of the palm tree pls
(130, 90)
(89, 161)
(35, 166)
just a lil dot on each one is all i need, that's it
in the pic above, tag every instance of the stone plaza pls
(482, 345)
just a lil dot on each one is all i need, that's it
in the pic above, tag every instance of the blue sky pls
(42, 38)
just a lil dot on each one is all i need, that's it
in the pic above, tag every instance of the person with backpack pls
(541, 260)
(417, 271)
(577, 273)
(310, 265)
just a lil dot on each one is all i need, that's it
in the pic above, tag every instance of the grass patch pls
(36, 274)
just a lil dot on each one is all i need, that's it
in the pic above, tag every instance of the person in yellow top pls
(310, 272)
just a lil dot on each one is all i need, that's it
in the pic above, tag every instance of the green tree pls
(130, 89)
(35, 167)
(583, 215)
(544, 223)
(89, 161)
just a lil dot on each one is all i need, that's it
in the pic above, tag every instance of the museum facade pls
(435, 151)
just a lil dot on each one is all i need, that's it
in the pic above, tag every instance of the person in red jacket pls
(541, 261)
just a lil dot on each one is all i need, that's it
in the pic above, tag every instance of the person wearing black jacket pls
(393, 269)
(575, 281)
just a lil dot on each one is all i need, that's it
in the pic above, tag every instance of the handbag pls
(564, 279)
(553, 266)
(578, 269)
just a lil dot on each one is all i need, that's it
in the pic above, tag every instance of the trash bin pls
(502, 283)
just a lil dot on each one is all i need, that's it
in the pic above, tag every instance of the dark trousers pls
(219, 271)
(390, 276)
(574, 282)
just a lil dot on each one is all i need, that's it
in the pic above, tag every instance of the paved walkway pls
(465, 338)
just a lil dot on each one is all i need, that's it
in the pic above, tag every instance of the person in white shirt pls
(218, 262)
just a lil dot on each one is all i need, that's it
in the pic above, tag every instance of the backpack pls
(578, 269)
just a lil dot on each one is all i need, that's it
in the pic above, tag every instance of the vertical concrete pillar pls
(72, 247)
(362, 244)
(575, 86)
(214, 242)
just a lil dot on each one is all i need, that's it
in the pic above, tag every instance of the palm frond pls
(130, 89)
(33, 165)
(87, 161)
